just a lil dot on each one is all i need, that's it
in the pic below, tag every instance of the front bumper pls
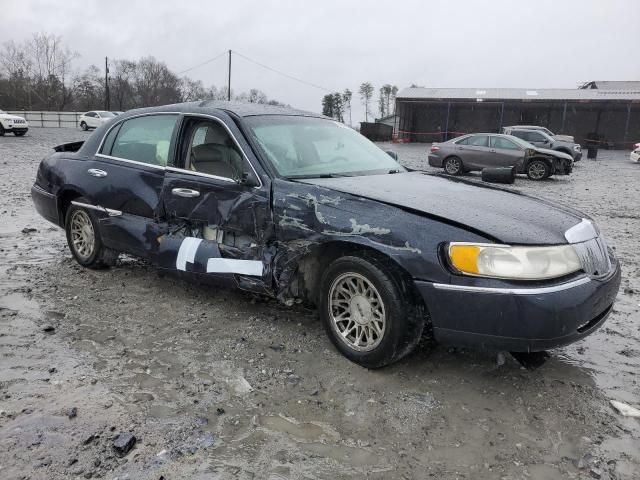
(578, 156)
(16, 128)
(520, 319)
(46, 204)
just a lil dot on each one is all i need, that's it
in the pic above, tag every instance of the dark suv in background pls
(539, 137)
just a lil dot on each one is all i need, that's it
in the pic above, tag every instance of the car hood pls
(564, 138)
(555, 153)
(6, 116)
(499, 214)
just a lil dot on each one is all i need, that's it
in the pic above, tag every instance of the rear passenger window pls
(144, 139)
(503, 143)
(479, 141)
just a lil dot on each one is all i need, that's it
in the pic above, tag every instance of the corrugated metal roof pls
(615, 84)
(416, 93)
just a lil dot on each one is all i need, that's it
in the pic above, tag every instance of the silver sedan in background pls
(489, 150)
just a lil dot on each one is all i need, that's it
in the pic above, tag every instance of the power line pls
(203, 63)
(282, 73)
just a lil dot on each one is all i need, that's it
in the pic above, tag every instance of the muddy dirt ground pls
(218, 384)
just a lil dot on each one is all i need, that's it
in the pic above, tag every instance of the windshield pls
(106, 114)
(301, 147)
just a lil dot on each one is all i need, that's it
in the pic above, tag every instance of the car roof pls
(481, 133)
(528, 127)
(239, 108)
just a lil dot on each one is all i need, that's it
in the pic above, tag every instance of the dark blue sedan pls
(297, 206)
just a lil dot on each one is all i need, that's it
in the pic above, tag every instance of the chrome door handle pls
(185, 192)
(96, 172)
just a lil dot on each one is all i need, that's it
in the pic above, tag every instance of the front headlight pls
(515, 263)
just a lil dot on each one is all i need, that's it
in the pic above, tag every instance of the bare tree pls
(37, 75)
(366, 93)
(346, 99)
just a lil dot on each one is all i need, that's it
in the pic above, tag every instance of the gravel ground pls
(217, 384)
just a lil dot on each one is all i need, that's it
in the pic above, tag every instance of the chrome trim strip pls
(582, 232)
(108, 211)
(199, 174)
(514, 291)
(176, 169)
(134, 162)
(42, 191)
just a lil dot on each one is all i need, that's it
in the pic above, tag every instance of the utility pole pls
(107, 100)
(229, 81)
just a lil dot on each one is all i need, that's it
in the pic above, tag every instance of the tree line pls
(336, 104)
(39, 74)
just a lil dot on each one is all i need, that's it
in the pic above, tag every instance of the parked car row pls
(477, 151)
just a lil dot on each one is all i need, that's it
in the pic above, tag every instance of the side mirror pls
(249, 180)
(393, 155)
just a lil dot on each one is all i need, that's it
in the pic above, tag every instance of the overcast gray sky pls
(340, 44)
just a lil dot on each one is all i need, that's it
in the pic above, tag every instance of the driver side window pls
(211, 150)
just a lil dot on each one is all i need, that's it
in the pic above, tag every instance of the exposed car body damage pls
(205, 195)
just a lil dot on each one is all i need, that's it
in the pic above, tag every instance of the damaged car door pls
(216, 206)
(126, 176)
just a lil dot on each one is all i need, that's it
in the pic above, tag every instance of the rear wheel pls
(367, 311)
(538, 170)
(453, 166)
(84, 126)
(84, 240)
(1, 130)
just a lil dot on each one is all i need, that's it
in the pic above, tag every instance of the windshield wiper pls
(319, 175)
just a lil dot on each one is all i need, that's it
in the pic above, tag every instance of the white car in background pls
(94, 119)
(12, 124)
(635, 155)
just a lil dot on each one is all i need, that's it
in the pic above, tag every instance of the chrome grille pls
(594, 256)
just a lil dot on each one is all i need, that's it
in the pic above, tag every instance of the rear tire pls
(368, 312)
(84, 126)
(84, 239)
(1, 131)
(453, 166)
(538, 170)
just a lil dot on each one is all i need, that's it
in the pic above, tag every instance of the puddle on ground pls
(304, 432)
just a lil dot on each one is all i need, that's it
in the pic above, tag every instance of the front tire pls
(84, 126)
(538, 170)
(453, 166)
(1, 131)
(19, 134)
(368, 312)
(84, 239)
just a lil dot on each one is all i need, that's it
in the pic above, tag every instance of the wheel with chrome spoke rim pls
(357, 312)
(538, 170)
(453, 166)
(84, 238)
(82, 234)
(368, 310)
